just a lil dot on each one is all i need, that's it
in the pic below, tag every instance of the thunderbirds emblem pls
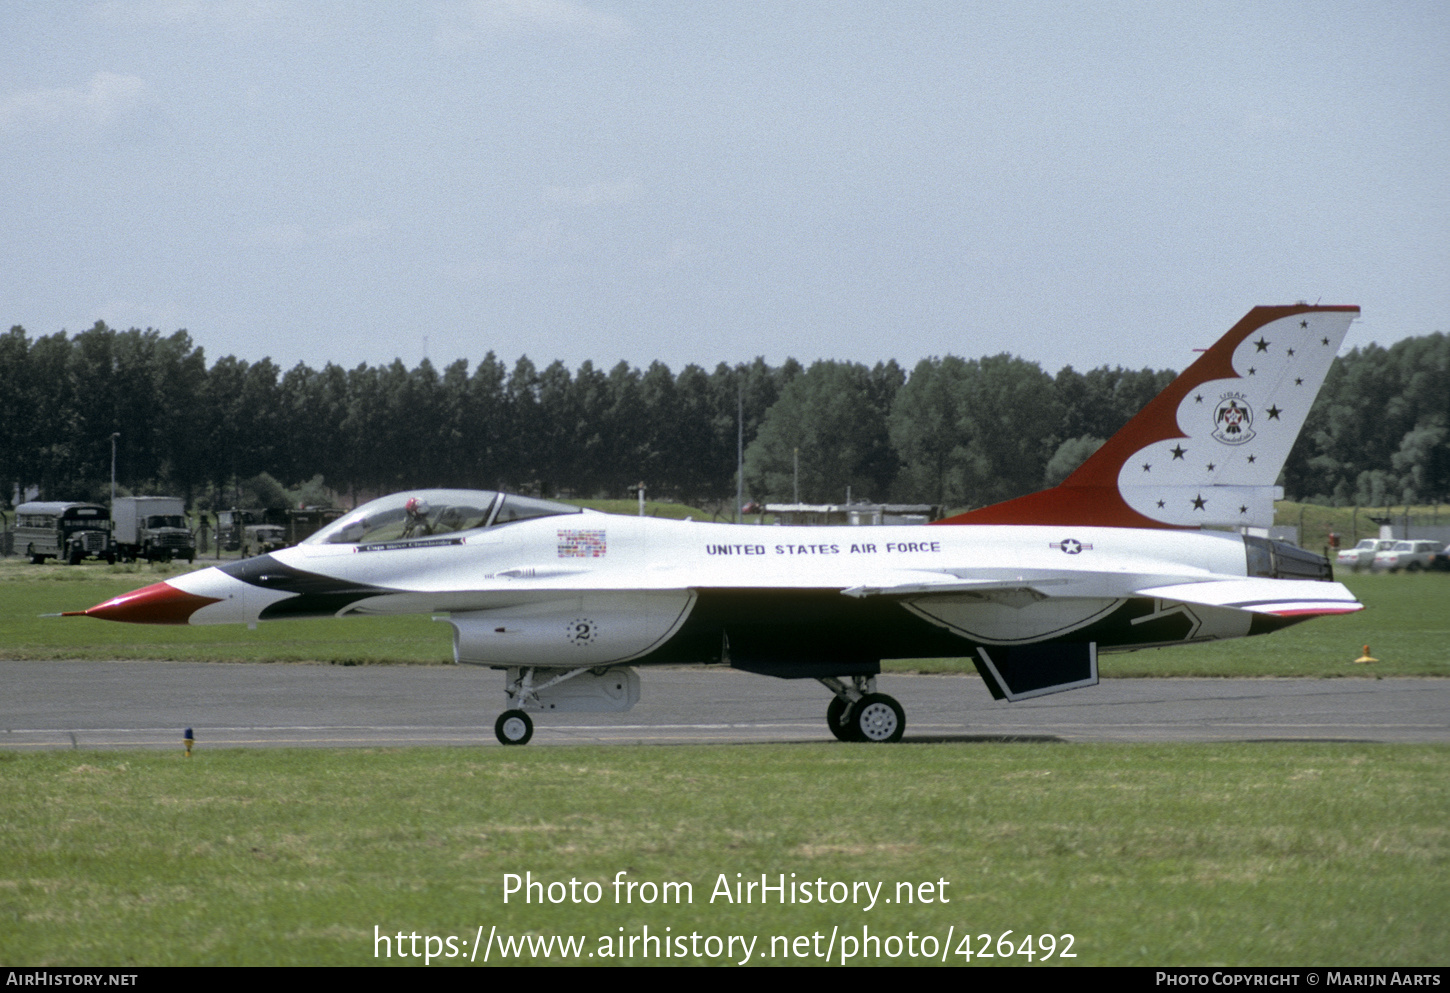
(1233, 420)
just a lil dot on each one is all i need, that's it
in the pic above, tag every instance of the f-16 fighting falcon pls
(1146, 544)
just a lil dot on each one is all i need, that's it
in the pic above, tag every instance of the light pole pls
(114, 436)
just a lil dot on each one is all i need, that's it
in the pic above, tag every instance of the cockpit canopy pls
(416, 515)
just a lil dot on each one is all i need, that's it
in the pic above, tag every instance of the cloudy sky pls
(702, 182)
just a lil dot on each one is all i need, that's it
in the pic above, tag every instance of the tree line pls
(955, 432)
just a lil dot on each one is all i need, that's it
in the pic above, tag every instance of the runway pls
(65, 704)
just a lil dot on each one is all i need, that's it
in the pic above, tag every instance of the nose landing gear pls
(513, 727)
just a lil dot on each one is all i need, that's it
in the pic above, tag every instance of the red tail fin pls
(1208, 449)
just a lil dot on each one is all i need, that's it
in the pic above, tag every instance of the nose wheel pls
(513, 727)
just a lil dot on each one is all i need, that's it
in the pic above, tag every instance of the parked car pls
(1361, 556)
(1441, 561)
(1412, 556)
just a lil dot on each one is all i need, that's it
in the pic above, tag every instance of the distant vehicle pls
(1441, 561)
(1361, 556)
(230, 525)
(307, 521)
(69, 532)
(259, 539)
(152, 528)
(1412, 556)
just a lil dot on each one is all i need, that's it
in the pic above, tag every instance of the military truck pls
(69, 532)
(153, 528)
(231, 526)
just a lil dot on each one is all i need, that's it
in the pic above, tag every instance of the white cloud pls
(482, 20)
(107, 98)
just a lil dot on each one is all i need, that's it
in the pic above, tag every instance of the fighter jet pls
(1150, 542)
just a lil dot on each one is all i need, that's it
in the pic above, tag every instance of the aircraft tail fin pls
(1208, 449)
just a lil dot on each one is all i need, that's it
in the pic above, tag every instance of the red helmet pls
(416, 507)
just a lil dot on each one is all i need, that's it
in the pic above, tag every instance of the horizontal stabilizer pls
(1281, 597)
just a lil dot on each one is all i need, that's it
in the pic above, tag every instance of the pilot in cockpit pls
(417, 525)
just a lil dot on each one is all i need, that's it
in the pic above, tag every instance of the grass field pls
(1147, 855)
(1406, 623)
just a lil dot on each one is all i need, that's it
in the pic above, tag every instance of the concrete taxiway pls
(230, 705)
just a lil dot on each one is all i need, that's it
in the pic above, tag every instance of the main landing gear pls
(858, 713)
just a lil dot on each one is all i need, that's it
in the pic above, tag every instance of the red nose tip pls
(158, 603)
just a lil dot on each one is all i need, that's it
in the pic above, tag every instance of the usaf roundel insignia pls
(1071, 546)
(1233, 420)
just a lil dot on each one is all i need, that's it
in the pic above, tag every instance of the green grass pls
(652, 508)
(1244, 854)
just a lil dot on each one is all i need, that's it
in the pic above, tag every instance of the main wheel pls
(513, 727)
(837, 720)
(877, 717)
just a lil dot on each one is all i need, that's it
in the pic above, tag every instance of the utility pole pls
(739, 447)
(114, 436)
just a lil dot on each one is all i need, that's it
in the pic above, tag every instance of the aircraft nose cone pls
(159, 603)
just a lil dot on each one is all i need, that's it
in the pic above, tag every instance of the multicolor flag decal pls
(581, 544)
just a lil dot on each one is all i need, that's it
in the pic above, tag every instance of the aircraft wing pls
(934, 584)
(1280, 597)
